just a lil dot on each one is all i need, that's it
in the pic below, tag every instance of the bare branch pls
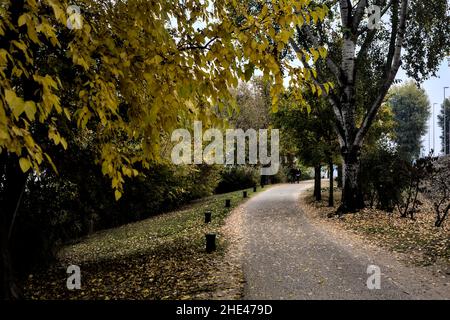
(199, 47)
(359, 13)
(382, 13)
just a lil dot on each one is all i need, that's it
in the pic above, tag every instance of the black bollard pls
(254, 189)
(208, 216)
(210, 242)
(227, 203)
(244, 194)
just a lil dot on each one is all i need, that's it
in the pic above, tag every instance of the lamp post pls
(434, 125)
(429, 132)
(445, 124)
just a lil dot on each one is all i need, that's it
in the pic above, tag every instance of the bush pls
(384, 176)
(281, 176)
(389, 181)
(203, 180)
(408, 203)
(238, 177)
(57, 209)
(437, 189)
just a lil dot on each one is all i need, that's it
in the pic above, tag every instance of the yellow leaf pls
(117, 194)
(51, 162)
(285, 35)
(3, 133)
(315, 54)
(25, 164)
(15, 103)
(322, 52)
(64, 143)
(22, 19)
(20, 45)
(30, 109)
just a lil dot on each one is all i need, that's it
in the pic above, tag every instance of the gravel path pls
(286, 256)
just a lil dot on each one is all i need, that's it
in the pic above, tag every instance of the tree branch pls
(359, 13)
(339, 120)
(199, 47)
(382, 13)
(346, 13)
(390, 76)
(330, 63)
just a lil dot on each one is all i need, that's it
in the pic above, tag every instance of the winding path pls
(286, 256)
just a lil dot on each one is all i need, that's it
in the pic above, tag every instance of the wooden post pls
(227, 203)
(91, 226)
(91, 223)
(244, 194)
(210, 242)
(208, 216)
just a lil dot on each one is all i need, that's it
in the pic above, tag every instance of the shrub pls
(238, 177)
(384, 177)
(57, 209)
(437, 189)
(281, 176)
(408, 203)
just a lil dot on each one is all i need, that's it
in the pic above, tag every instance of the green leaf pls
(249, 70)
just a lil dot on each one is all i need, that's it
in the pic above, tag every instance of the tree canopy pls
(411, 109)
(142, 68)
(444, 124)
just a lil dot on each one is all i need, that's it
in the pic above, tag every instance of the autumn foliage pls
(143, 69)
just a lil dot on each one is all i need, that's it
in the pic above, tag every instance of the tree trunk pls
(9, 289)
(352, 197)
(13, 184)
(339, 176)
(331, 194)
(317, 183)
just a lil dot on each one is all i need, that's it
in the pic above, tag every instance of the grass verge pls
(162, 257)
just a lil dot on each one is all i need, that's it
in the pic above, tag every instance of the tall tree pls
(309, 127)
(254, 105)
(365, 52)
(444, 124)
(411, 109)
